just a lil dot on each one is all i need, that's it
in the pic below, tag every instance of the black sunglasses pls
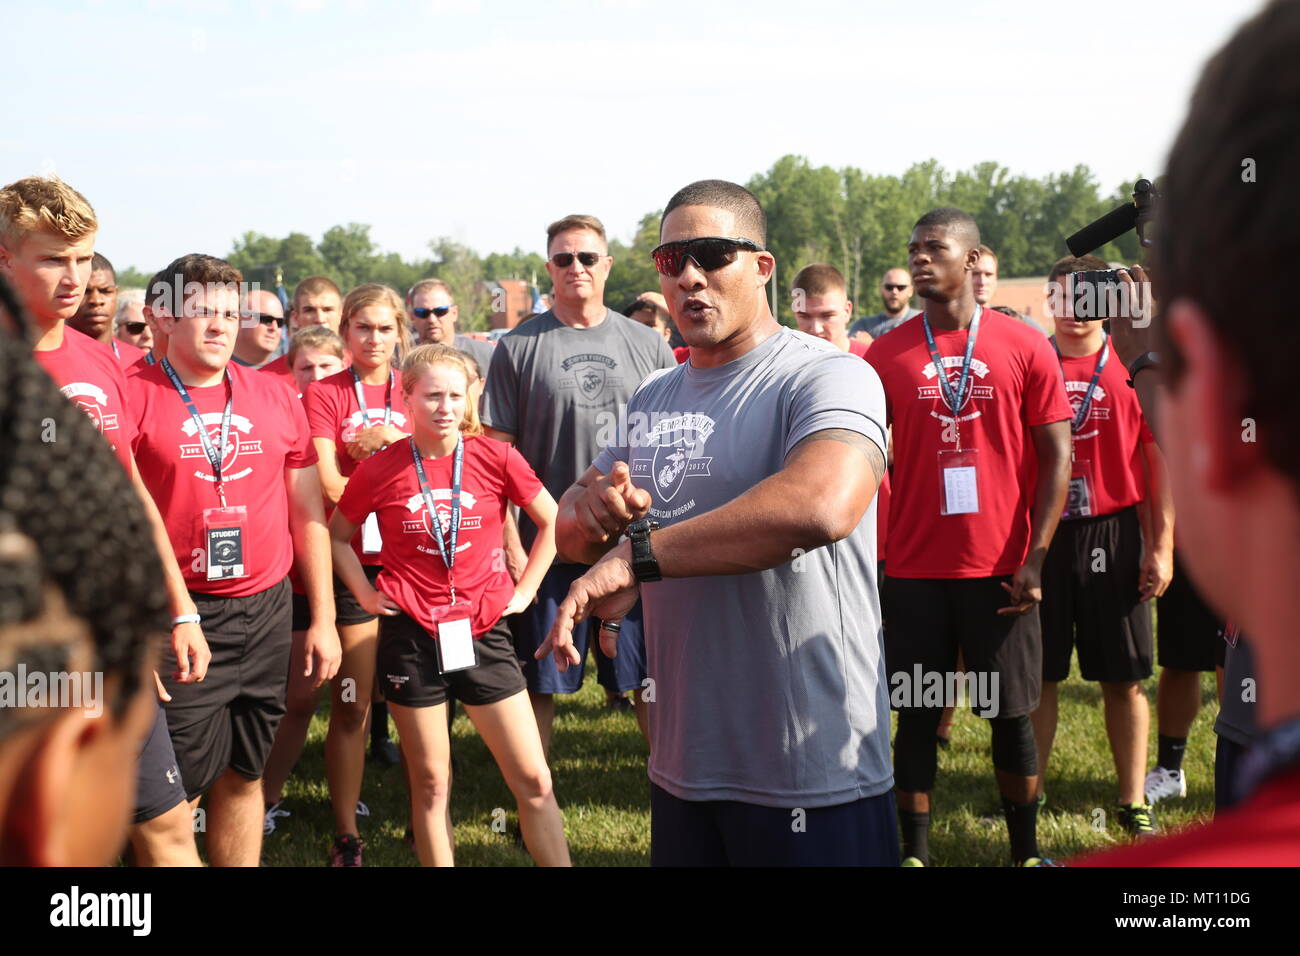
(563, 260)
(133, 328)
(438, 310)
(264, 318)
(707, 252)
(889, 287)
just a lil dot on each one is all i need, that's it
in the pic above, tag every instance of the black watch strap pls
(644, 565)
(1145, 360)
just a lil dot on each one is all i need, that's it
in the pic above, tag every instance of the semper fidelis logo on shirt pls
(92, 400)
(676, 445)
(239, 445)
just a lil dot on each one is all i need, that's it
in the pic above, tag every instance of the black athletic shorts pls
(158, 779)
(347, 610)
(1091, 599)
(228, 720)
(927, 620)
(407, 667)
(729, 833)
(1191, 636)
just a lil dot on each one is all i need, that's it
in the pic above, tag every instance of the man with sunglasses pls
(434, 315)
(129, 325)
(896, 295)
(260, 327)
(770, 724)
(557, 387)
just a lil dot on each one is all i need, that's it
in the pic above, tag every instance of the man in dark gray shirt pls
(557, 389)
(896, 295)
(758, 461)
(433, 313)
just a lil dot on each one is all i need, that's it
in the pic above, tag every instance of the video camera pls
(1093, 292)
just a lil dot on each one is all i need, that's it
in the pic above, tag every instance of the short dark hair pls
(100, 263)
(819, 279)
(1244, 108)
(1067, 264)
(74, 528)
(167, 287)
(954, 220)
(639, 305)
(751, 221)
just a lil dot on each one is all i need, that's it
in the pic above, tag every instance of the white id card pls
(959, 483)
(456, 649)
(371, 542)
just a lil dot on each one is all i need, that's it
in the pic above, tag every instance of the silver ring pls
(614, 626)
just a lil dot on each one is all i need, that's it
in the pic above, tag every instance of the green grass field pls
(598, 763)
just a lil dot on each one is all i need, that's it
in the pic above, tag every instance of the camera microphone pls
(1101, 231)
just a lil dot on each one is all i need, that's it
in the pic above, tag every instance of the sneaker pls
(912, 861)
(268, 822)
(1138, 819)
(619, 702)
(346, 851)
(1162, 783)
(385, 752)
(362, 809)
(1040, 861)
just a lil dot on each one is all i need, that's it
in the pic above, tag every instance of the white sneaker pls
(273, 811)
(1162, 783)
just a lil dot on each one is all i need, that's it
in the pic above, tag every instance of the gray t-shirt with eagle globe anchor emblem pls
(769, 687)
(557, 389)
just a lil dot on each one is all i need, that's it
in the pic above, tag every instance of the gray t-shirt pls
(480, 352)
(769, 687)
(560, 392)
(872, 323)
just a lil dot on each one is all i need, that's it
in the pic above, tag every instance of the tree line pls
(857, 221)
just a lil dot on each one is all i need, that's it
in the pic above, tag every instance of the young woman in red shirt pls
(444, 590)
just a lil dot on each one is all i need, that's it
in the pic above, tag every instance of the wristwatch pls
(644, 565)
(1145, 360)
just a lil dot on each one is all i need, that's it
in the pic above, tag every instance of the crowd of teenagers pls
(764, 538)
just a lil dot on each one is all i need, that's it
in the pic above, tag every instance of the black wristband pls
(1145, 360)
(644, 565)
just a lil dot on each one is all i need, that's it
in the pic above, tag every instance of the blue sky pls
(188, 123)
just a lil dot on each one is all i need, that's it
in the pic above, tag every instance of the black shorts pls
(1191, 636)
(927, 620)
(228, 721)
(1091, 599)
(407, 667)
(728, 833)
(347, 610)
(158, 779)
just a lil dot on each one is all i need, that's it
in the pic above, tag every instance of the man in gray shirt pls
(557, 389)
(433, 312)
(896, 295)
(757, 464)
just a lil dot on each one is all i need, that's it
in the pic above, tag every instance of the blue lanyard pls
(953, 398)
(448, 554)
(213, 456)
(113, 342)
(361, 399)
(1085, 406)
(149, 359)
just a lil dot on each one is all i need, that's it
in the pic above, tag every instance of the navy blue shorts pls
(158, 779)
(727, 833)
(529, 629)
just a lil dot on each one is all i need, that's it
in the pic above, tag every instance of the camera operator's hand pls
(1133, 331)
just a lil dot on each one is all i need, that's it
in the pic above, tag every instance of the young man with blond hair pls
(47, 241)
(316, 301)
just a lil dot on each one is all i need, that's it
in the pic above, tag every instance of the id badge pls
(457, 649)
(371, 542)
(959, 492)
(225, 539)
(1078, 503)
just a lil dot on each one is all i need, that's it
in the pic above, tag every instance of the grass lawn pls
(598, 762)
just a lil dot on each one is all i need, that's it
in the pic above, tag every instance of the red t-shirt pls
(145, 361)
(414, 576)
(1015, 383)
(268, 433)
(87, 372)
(127, 354)
(280, 369)
(858, 348)
(1108, 448)
(1262, 831)
(333, 413)
(682, 353)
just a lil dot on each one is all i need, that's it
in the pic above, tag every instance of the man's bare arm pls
(765, 526)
